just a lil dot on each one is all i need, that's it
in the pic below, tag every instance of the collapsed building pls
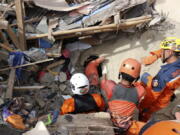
(34, 70)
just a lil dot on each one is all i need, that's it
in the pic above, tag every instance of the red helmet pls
(131, 67)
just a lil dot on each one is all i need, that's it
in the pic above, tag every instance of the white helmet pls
(79, 84)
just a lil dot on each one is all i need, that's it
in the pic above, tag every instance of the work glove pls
(104, 70)
(148, 60)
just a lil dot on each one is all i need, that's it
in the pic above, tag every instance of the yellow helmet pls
(171, 43)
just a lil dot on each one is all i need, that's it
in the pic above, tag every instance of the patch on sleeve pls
(176, 73)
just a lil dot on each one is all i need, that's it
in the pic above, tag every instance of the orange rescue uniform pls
(160, 88)
(91, 71)
(83, 105)
(122, 103)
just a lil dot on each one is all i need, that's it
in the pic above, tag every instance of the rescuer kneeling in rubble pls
(124, 97)
(82, 101)
(160, 89)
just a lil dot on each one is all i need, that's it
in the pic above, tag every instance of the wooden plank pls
(20, 22)
(6, 47)
(24, 65)
(23, 88)
(13, 37)
(55, 64)
(23, 9)
(11, 81)
(29, 87)
(97, 29)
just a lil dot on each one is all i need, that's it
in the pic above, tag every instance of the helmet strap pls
(165, 59)
(119, 76)
(136, 79)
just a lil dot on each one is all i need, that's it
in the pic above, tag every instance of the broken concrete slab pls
(61, 77)
(82, 124)
(40, 129)
(62, 87)
(42, 26)
(36, 54)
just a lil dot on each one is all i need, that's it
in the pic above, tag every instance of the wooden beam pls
(97, 29)
(29, 87)
(20, 22)
(11, 81)
(24, 88)
(23, 9)
(6, 47)
(13, 37)
(24, 65)
(55, 64)
(11, 34)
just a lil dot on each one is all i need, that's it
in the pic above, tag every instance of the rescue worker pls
(167, 127)
(159, 89)
(82, 101)
(92, 67)
(124, 97)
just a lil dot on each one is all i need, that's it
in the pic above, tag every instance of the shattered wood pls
(96, 29)
(11, 81)
(20, 21)
(29, 64)
(6, 47)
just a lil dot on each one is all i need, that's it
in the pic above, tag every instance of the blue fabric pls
(6, 113)
(144, 78)
(165, 75)
(44, 44)
(15, 59)
(55, 115)
(148, 125)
